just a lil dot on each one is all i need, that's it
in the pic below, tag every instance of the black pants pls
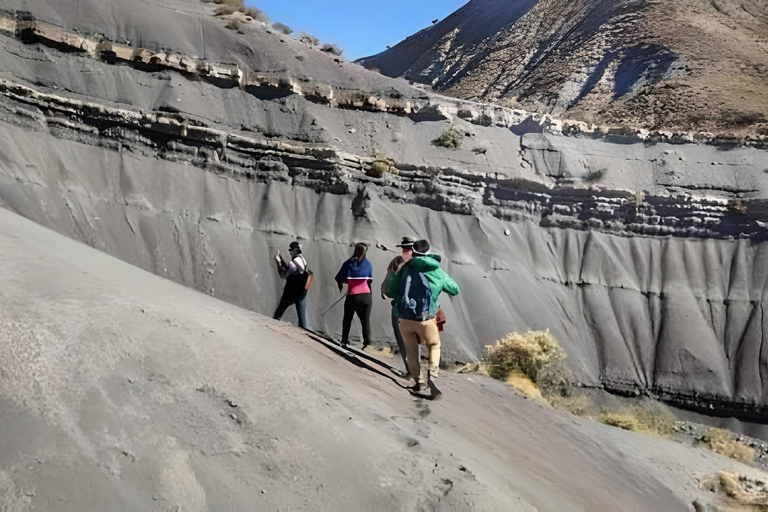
(361, 304)
(288, 300)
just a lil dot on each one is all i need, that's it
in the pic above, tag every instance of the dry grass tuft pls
(309, 39)
(624, 421)
(524, 386)
(230, 7)
(724, 442)
(528, 353)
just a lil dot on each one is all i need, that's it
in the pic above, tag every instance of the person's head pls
(420, 248)
(360, 252)
(407, 246)
(294, 249)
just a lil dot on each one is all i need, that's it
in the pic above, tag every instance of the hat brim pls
(405, 245)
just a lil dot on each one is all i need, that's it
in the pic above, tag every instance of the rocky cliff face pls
(691, 64)
(647, 259)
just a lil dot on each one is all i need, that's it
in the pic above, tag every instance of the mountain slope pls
(683, 65)
(120, 390)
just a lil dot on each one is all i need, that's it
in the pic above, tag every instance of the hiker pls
(297, 280)
(357, 274)
(406, 245)
(416, 288)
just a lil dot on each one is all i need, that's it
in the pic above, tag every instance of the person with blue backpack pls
(357, 274)
(416, 289)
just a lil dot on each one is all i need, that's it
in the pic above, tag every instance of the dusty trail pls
(123, 391)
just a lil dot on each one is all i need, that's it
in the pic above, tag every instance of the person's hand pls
(341, 287)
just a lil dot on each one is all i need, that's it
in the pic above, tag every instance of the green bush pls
(382, 165)
(451, 138)
(283, 28)
(531, 354)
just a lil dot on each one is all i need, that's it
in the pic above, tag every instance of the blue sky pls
(360, 28)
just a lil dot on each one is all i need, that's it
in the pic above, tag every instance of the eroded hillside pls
(672, 65)
(196, 152)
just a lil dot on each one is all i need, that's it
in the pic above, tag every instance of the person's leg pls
(301, 311)
(432, 340)
(281, 307)
(363, 310)
(409, 331)
(346, 323)
(398, 337)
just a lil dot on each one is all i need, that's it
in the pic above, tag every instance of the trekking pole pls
(332, 305)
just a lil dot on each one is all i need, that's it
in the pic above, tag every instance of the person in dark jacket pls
(357, 274)
(295, 274)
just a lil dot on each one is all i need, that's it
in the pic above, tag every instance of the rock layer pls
(645, 259)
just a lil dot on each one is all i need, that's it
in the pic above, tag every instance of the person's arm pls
(449, 285)
(391, 284)
(341, 276)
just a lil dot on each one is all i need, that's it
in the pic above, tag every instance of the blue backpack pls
(417, 295)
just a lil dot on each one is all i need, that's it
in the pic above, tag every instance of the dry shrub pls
(382, 165)
(730, 484)
(234, 24)
(309, 39)
(621, 420)
(237, 4)
(282, 28)
(225, 10)
(528, 353)
(331, 48)
(724, 442)
(743, 493)
(256, 14)
(451, 138)
(524, 386)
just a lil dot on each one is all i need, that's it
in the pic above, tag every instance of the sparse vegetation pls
(225, 10)
(234, 24)
(230, 7)
(724, 442)
(282, 28)
(451, 138)
(382, 165)
(256, 14)
(594, 175)
(737, 206)
(309, 39)
(529, 353)
(331, 48)
(510, 103)
(624, 421)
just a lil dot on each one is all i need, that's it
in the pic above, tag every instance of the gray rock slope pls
(647, 261)
(122, 391)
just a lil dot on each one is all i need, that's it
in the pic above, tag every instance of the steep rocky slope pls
(689, 64)
(122, 391)
(198, 157)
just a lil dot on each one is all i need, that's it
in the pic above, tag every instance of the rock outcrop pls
(645, 258)
(690, 64)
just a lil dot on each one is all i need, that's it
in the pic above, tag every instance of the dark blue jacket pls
(351, 268)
